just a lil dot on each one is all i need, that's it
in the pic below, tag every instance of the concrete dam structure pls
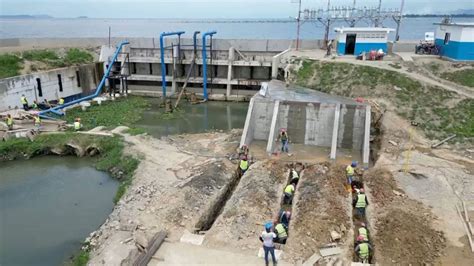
(310, 118)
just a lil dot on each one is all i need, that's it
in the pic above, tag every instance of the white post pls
(366, 151)
(229, 71)
(271, 135)
(335, 132)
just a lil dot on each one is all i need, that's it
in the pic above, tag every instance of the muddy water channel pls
(193, 118)
(48, 205)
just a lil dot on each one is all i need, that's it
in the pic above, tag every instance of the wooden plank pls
(469, 236)
(465, 211)
(443, 141)
(153, 246)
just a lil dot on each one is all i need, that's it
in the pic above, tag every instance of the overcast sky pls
(204, 8)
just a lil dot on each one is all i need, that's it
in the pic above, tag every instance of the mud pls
(403, 228)
(321, 205)
(173, 189)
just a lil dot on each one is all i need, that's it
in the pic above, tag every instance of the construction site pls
(190, 146)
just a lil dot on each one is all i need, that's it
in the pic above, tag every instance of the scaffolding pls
(349, 14)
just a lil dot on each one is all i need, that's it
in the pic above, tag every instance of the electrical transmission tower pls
(349, 14)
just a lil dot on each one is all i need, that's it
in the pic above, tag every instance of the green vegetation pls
(75, 56)
(425, 105)
(10, 65)
(464, 77)
(121, 112)
(81, 259)
(136, 131)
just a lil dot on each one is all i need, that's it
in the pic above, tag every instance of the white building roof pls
(459, 24)
(363, 29)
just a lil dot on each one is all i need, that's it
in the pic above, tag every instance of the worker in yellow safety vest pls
(37, 121)
(9, 122)
(363, 251)
(363, 233)
(77, 124)
(360, 202)
(24, 102)
(34, 105)
(244, 164)
(288, 193)
(61, 101)
(281, 233)
(350, 173)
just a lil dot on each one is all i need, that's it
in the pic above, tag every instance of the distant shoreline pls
(222, 20)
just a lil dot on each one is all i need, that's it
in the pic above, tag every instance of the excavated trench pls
(299, 167)
(357, 222)
(217, 206)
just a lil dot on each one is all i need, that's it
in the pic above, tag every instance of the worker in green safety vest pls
(10, 122)
(360, 202)
(61, 101)
(288, 193)
(244, 164)
(363, 250)
(281, 233)
(363, 232)
(24, 102)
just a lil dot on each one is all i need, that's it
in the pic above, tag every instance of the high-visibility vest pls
(9, 121)
(290, 189)
(244, 164)
(363, 232)
(61, 101)
(23, 100)
(34, 105)
(77, 125)
(360, 201)
(294, 174)
(349, 170)
(363, 250)
(280, 230)
(37, 121)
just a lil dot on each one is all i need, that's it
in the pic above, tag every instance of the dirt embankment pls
(321, 206)
(255, 200)
(403, 233)
(172, 190)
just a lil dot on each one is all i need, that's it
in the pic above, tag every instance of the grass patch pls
(464, 77)
(75, 56)
(40, 55)
(10, 65)
(121, 112)
(81, 258)
(411, 99)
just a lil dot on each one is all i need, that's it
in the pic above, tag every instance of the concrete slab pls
(312, 260)
(278, 253)
(330, 251)
(193, 239)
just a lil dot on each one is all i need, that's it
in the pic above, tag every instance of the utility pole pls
(353, 20)
(399, 21)
(298, 21)
(328, 25)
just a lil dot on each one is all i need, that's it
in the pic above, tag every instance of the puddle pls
(193, 118)
(48, 206)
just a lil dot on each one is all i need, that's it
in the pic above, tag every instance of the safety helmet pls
(354, 164)
(361, 190)
(362, 224)
(360, 238)
(268, 225)
(288, 214)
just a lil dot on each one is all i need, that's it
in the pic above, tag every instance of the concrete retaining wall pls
(11, 89)
(218, 44)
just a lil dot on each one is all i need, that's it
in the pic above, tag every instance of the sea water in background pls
(411, 29)
(48, 206)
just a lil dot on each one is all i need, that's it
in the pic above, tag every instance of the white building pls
(356, 40)
(455, 40)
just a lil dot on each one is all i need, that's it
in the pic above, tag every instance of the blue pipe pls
(162, 53)
(204, 61)
(56, 109)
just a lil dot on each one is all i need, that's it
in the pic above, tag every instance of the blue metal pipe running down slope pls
(204, 62)
(55, 110)
(162, 54)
